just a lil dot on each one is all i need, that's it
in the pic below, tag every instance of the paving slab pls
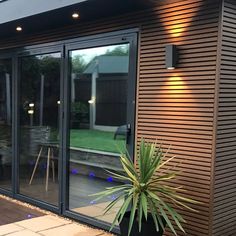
(24, 233)
(9, 228)
(72, 230)
(42, 223)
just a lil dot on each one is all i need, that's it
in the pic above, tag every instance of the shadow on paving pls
(11, 212)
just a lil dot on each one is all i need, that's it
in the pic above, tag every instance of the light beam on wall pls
(180, 18)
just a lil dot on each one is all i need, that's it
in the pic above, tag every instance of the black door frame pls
(119, 37)
(24, 53)
(105, 41)
(10, 56)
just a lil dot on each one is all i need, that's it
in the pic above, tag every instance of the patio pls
(22, 219)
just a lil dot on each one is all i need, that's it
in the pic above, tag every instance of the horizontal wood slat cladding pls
(175, 107)
(224, 214)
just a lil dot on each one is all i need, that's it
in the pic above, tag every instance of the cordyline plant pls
(145, 190)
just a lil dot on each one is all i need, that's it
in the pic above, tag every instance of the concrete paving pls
(49, 225)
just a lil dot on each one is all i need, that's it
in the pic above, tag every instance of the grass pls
(96, 140)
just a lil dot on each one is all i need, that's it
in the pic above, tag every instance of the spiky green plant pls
(146, 189)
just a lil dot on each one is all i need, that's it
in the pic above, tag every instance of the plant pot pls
(148, 227)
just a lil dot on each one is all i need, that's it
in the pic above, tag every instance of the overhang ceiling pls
(57, 13)
(16, 9)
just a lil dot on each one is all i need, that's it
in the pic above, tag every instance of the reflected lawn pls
(96, 140)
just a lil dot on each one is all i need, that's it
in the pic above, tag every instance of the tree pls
(79, 64)
(118, 51)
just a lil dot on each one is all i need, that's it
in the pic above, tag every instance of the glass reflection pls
(98, 124)
(39, 126)
(5, 123)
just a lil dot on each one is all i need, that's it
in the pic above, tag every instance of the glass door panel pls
(5, 123)
(39, 108)
(98, 124)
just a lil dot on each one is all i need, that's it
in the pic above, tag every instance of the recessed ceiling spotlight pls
(19, 28)
(75, 15)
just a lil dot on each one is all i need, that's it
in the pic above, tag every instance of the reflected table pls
(49, 146)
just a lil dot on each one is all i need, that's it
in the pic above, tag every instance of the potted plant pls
(147, 196)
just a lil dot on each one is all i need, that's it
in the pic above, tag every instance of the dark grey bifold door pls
(5, 123)
(99, 128)
(39, 108)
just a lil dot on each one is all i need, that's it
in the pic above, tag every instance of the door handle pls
(128, 133)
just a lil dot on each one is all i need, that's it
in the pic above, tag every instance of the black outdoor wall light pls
(171, 56)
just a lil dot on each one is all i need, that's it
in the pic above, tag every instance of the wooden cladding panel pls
(162, 100)
(224, 213)
(176, 107)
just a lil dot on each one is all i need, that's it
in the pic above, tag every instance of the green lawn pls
(96, 140)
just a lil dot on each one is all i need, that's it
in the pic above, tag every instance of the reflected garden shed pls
(74, 72)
